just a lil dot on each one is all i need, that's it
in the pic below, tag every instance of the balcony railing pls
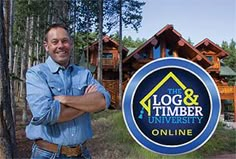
(226, 89)
(107, 61)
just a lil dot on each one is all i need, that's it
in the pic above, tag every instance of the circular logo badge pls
(171, 106)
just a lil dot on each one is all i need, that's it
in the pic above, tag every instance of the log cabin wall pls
(214, 53)
(110, 57)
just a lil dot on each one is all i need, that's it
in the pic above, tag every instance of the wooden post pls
(234, 103)
(175, 54)
(163, 48)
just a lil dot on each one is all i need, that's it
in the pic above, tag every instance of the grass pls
(223, 141)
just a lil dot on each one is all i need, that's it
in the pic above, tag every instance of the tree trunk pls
(7, 128)
(24, 64)
(120, 54)
(15, 72)
(30, 45)
(87, 51)
(74, 33)
(37, 42)
(11, 59)
(6, 5)
(100, 42)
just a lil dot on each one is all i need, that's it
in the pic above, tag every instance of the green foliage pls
(83, 15)
(81, 41)
(222, 141)
(38, 10)
(84, 39)
(79, 15)
(190, 41)
(231, 49)
(33, 58)
(128, 42)
(230, 60)
(131, 14)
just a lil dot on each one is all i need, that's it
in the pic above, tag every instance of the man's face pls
(59, 46)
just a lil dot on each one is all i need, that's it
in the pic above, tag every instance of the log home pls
(110, 64)
(110, 57)
(218, 71)
(165, 43)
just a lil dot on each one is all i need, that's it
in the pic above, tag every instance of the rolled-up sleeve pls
(100, 89)
(44, 108)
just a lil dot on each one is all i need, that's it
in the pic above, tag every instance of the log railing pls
(113, 87)
(228, 92)
(107, 61)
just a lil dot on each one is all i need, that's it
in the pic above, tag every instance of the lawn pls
(222, 142)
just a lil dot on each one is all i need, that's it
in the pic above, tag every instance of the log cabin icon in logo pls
(171, 106)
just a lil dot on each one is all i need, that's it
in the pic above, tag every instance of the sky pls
(194, 19)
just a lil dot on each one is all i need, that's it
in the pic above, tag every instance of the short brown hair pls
(52, 26)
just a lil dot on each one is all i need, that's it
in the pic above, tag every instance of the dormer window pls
(210, 58)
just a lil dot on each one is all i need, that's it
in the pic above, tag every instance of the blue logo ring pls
(186, 65)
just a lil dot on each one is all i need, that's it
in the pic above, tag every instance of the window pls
(210, 58)
(106, 55)
(144, 55)
(157, 52)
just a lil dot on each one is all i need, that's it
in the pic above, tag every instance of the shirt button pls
(72, 134)
(59, 89)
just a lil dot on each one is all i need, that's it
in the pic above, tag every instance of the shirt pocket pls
(78, 89)
(56, 89)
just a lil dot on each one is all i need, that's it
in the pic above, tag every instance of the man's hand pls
(61, 99)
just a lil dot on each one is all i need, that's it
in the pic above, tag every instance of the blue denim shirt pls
(43, 82)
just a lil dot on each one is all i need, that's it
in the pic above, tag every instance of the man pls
(61, 97)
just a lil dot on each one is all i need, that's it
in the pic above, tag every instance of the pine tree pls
(7, 128)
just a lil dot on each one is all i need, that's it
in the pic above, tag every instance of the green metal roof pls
(131, 49)
(226, 71)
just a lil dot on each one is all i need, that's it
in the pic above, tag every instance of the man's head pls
(58, 44)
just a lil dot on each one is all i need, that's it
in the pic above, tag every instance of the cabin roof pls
(108, 40)
(207, 44)
(173, 39)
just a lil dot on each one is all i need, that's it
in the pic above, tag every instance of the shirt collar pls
(54, 67)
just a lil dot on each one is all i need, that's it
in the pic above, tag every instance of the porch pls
(228, 93)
